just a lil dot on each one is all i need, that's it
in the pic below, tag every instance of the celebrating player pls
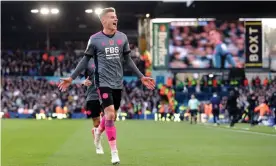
(93, 105)
(108, 48)
(221, 54)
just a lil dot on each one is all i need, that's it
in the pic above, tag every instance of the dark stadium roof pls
(16, 18)
(72, 12)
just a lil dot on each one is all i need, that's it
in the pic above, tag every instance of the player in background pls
(93, 102)
(215, 101)
(109, 48)
(221, 53)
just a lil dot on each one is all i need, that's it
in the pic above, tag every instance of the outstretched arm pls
(147, 81)
(132, 65)
(129, 61)
(82, 65)
(66, 82)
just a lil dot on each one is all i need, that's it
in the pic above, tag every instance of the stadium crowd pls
(29, 96)
(190, 46)
(49, 63)
(256, 99)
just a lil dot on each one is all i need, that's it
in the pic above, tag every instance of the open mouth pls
(115, 23)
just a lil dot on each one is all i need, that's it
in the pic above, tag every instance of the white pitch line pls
(239, 131)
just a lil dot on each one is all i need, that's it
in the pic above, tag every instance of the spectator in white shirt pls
(193, 106)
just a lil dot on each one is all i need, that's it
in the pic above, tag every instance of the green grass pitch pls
(140, 143)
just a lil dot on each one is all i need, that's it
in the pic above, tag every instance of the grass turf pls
(140, 143)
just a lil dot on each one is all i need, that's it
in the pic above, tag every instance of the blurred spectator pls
(273, 105)
(190, 46)
(232, 108)
(252, 101)
(52, 63)
(136, 100)
(215, 101)
(263, 110)
(27, 95)
(193, 105)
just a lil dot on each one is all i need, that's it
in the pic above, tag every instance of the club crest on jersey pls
(119, 42)
(105, 95)
(111, 42)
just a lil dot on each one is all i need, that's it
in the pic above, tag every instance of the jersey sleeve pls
(129, 61)
(126, 49)
(82, 65)
(223, 49)
(90, 49)
(88, 54)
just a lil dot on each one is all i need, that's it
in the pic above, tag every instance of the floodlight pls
(54, 11)
(34, 11)
(98, 11)
(211, 75)
(88, 11)
(44, 11)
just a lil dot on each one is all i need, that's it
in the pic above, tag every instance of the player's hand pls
(148, 82)
(87, 82)
(65, 83)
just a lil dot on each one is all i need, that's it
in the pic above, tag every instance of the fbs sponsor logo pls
(112, 52)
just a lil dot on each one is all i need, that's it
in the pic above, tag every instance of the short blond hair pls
(106, 10)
